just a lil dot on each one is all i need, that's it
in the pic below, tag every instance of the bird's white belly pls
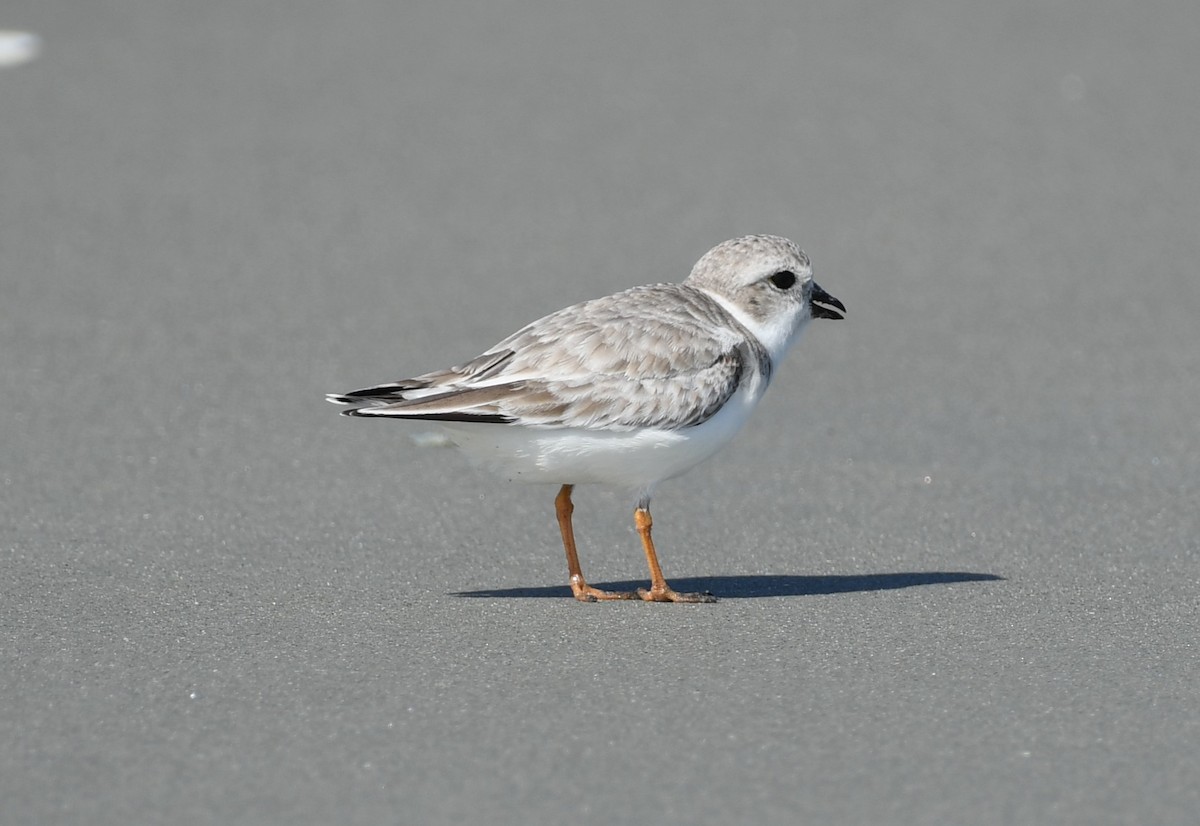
(634, 458)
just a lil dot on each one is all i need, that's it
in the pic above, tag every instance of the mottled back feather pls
(665, 356)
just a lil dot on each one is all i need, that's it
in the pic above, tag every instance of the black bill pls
(822, 304)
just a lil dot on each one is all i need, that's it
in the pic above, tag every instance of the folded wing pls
(633, 360)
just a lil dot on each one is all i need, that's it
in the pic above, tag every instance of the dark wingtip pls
(394, 413)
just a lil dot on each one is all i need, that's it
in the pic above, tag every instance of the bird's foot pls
(668, 594)
(586, 593)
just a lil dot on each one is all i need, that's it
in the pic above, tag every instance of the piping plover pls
(626, 390)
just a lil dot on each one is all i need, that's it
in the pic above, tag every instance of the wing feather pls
(666, 356)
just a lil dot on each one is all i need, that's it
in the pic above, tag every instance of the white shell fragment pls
(18, 47)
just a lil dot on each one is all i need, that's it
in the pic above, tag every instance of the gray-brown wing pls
(665, 356)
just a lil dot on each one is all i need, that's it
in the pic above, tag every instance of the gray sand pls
(958, 544)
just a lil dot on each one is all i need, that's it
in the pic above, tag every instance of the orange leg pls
(579, 587)
(659, 591)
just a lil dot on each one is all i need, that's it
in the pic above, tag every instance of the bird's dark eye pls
(784, 280)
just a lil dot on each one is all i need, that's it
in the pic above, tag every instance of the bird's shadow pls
(753, 586)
